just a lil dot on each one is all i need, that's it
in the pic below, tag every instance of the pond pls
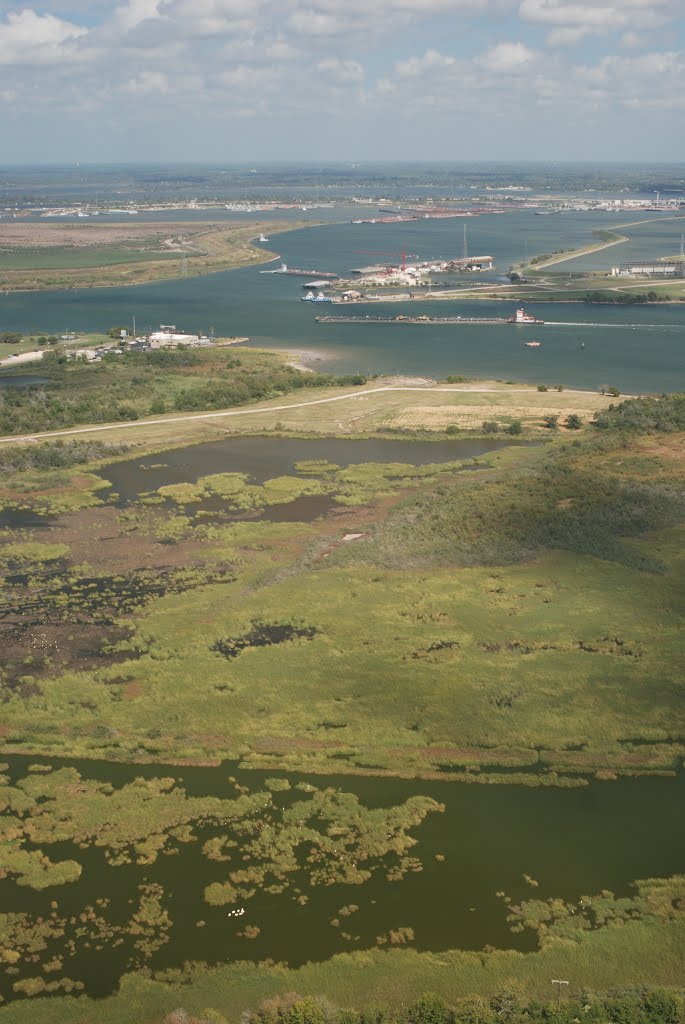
(23, 380)
(569, 842)
(264, 457)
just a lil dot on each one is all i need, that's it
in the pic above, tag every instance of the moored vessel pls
(296, 272)
(521, 317)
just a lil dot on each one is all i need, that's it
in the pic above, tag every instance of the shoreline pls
(215, 228)
(301, 359)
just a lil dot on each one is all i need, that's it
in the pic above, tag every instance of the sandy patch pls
(437, 417)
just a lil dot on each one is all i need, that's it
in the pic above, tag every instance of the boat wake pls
(588, 323)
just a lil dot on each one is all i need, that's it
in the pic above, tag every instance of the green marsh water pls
(573, 842)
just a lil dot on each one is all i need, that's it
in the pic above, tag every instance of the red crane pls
(389, 255)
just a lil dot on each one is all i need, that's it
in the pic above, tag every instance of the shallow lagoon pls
(264, 457)
(573, 842)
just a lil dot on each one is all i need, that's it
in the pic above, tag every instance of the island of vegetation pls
(497, 603)
(42, 257)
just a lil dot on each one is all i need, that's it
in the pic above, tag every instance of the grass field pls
(67, 258)
(39, 257)
(380, 406)
(432, 651)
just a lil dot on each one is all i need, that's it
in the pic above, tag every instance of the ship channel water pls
(635, 348)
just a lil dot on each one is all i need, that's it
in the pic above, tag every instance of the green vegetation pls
(624, 298)
(620, 960)
(664, 415)
(519, 624)
(42, 257)
(134, 385)
(56, 455)
(341, 635)
(65, 258)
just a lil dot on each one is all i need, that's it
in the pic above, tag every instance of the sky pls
(328, 80)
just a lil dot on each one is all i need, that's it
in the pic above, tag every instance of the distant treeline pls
(625, 298)
(642, 1006)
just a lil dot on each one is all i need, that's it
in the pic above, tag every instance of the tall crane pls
(388, 255)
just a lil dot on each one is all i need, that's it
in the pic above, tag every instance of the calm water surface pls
(573, 842)
(263, 457)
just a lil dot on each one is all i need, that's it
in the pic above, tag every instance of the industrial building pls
(647, 268)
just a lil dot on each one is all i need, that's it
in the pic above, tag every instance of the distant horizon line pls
(352, 164)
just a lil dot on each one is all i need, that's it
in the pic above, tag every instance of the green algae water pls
(571, 842)
(634, 348)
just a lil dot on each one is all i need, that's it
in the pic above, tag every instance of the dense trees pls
(56, 455)
(644, 415)
(138, 384)
(641, 1006)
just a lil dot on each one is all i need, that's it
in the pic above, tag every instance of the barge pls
(296, 272)
(520, 317)
(412, 320)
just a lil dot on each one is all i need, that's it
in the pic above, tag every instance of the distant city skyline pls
(317, 80)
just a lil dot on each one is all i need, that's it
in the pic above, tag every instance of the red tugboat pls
(521, 317)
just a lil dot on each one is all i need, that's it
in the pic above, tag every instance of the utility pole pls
(559, 983)
(134, 328)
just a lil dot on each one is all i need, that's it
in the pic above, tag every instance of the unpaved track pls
(252, 411)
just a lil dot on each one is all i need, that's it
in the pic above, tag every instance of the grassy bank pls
(641, 953)
(50, 257)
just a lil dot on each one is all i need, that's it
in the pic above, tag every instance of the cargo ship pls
(294, 272)
(521, 317)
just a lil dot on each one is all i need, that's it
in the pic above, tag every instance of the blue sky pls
(307, 80)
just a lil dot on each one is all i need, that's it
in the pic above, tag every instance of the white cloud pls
(131, 14)
(506, 58)
(418, 67)
(570, 21)
(28, 38)
(316, 23)
(148, 82)
(341, 70)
